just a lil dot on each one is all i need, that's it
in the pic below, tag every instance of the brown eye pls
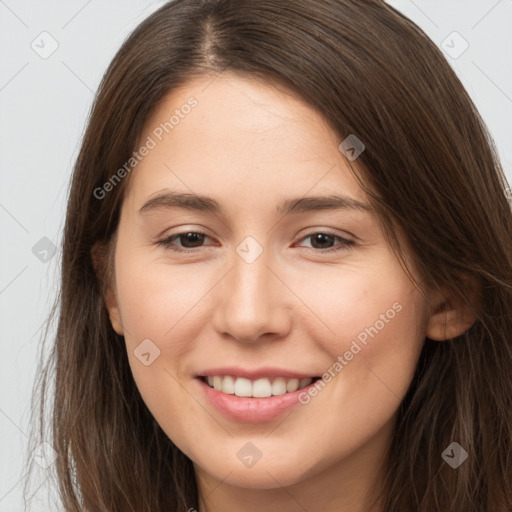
(322, 242)
(189, 241)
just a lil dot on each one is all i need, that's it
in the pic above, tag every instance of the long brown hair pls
(431, 170)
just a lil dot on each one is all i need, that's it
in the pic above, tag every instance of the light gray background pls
(44, 103)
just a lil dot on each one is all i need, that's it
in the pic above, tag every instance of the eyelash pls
(344, 245)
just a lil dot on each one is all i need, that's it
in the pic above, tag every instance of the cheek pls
(158, 301)
(159, 306)
(361, 302)
(379, 320)
(375, 322)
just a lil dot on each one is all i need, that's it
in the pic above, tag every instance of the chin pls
(264, 474)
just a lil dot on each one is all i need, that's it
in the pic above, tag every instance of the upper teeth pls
(259, 388)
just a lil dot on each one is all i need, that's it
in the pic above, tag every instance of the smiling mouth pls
(256, 388)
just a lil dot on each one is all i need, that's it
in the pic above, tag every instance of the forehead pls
(229, 134)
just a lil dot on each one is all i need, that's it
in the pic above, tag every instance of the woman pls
(287, 272)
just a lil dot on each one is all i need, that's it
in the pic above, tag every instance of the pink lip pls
(250, 410)
(258, 373)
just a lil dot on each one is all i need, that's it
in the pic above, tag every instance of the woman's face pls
(287, 278)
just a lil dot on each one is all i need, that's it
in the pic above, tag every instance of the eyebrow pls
(205, 204)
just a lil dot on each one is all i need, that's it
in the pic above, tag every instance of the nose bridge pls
(251, 302)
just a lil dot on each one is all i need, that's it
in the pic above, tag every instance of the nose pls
(251, 301)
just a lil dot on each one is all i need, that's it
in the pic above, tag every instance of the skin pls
(249, 145)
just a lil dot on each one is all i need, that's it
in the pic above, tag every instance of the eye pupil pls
(192, 237)
(321, 238)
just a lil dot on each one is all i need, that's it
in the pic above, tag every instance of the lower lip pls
(251, 410)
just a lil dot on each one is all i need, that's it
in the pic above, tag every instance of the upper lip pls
(256, 373)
